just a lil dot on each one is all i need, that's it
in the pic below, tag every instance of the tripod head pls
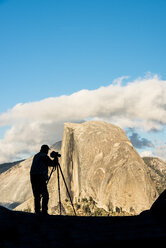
(54, 154)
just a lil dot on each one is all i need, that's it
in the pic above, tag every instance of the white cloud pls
(141, 103)
(147, 154)
(160, 151)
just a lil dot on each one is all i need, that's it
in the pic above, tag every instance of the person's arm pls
(50, 162)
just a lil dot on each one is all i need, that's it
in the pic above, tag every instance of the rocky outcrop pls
(100, 162)
(159, 206)
(21, 230)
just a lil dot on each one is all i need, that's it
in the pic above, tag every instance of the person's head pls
(44, 148)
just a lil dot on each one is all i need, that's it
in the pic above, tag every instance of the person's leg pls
(45, 197)
(37, 203)
(36, 186)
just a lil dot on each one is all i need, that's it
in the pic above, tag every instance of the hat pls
(44, 148)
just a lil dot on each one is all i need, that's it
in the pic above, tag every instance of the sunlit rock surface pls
(99, 161)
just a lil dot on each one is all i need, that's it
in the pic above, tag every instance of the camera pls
(54, 154)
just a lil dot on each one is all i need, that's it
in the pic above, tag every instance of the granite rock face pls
(99, 161)
(157, 171)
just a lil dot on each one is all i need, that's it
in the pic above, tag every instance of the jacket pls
(40, 164)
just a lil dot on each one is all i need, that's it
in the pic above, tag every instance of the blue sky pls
(58, 47)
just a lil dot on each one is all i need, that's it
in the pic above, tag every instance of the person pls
(39, 177)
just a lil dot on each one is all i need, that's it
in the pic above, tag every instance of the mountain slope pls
(15, 185)
(157, 172)
(6, 166)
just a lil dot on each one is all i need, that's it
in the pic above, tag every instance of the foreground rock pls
(21, 230)
(159, 206)
(100, 162)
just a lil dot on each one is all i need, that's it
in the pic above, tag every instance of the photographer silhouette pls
(39, 178)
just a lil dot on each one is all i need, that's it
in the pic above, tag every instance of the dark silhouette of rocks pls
(20, 229)
(158, 208)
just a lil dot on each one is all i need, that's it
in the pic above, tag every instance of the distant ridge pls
(157, 171)
(57, 145)
(6, 166)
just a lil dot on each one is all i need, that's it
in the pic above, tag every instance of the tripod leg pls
(53, 169)
(59, 190)
(66, 187)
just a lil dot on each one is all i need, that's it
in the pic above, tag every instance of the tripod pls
(58, 167)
